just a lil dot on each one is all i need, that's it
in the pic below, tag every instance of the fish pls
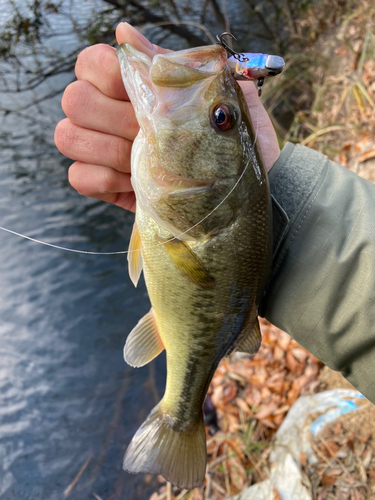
(202, 237)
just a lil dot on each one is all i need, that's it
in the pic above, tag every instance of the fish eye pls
(223, 116)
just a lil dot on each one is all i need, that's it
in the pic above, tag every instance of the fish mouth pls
(186, 67)
(156, 83)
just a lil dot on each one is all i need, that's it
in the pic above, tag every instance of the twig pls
(226, 18)
(207, 493)
(169, 23)
(219, 16)
(182, 494)
(203, 11)
(227, 485)
(112, 427)
(34, 102)
(217, 461)
(315, 135)
(289, 14)
(169, 491)
(335, 459)
(218, 487)
(69, 489)
(272, 33)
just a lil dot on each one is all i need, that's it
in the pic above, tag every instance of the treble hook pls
(236, 55)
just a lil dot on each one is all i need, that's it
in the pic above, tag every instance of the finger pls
(103, 183)
(125, 33)
(90, 180)
(99, 65)
(90, 146)
(263, 127)
(87, 107)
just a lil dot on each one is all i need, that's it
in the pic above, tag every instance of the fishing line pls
(122, 252)
(59, 247)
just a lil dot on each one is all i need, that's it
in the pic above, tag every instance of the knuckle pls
(65, 134)
(75, 98)
(82, 62)
(69, 98)
(60, 135)
(75, 179)
(121, 149)
(110, 181)
(106, 56)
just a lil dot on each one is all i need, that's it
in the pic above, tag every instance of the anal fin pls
(251, 340)
(135, 261)
(143, 343)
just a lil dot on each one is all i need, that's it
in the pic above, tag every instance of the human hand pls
(101, 126)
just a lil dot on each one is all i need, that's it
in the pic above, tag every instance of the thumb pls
(264, 130)
(125, 33)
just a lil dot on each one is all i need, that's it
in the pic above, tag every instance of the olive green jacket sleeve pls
(322, 286)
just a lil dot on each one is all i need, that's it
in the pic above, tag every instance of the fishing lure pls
(251, 66)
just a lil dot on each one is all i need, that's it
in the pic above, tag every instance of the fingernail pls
(143, 40)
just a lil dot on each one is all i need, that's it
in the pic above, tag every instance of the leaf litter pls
(247, 401)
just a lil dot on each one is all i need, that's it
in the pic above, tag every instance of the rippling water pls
(67, 398)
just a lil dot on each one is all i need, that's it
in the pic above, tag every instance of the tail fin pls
(179, 456)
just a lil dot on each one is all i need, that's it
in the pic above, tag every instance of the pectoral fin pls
(251, 340)
(188, 264)
(135, 261)
(143, 343)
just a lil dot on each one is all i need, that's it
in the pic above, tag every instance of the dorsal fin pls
(135, 260)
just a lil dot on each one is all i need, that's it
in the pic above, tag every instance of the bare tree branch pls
(146, 16)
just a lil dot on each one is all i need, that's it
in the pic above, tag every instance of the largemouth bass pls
(202, 237)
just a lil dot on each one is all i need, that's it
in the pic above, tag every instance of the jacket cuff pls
(294, 180)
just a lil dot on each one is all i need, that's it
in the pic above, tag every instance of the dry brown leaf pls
(237, 473)
(265, 393)
(265, 411)
(217, 394)
(252, 396)
(300, 354)
(278, 353)
(241, 403)
(367, 155)
(229, 391)
(331, 471)
(269, 422)
(283, 340)
(328, 479)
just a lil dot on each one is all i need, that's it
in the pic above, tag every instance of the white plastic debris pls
(293, 437)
